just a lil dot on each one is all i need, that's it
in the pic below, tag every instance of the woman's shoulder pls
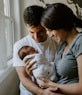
(78, 39)
(77, 45)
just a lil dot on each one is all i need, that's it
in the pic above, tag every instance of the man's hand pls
(29, 67)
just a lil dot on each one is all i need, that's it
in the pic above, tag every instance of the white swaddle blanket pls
(44, 68)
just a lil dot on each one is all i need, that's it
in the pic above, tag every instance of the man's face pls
(38, 33)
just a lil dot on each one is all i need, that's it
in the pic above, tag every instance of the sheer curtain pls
(3, 61)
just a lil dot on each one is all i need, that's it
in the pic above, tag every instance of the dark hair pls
(59, 16)
(22, 52)
(32, 15)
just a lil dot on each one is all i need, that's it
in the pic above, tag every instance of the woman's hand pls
(46, 83)
(50, 91)
(29, 67)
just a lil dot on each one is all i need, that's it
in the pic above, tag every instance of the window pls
(6, 8)
(9, 29)
(6, 35)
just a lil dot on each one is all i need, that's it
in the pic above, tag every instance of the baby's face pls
(31, 50)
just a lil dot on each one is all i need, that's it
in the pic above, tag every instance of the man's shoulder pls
(23, 40)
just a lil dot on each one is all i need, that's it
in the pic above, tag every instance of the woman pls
(61, 23)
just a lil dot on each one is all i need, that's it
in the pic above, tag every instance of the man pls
(38, 39)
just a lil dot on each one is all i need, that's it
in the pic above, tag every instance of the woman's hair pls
(59, 16)
(32, 15)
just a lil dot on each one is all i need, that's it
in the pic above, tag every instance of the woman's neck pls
(71, 36)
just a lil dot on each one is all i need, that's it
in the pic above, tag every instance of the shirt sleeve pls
(16, 59)
(78, 47)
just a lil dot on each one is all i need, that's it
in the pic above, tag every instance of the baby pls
(44, 68)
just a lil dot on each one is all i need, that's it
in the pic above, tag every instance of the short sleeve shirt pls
(47, 48)
(66, 66)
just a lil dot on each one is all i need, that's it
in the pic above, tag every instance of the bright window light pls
(9, 29)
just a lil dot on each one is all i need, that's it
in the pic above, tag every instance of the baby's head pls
(26, 50)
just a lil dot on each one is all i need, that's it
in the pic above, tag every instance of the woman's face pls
(60, 34)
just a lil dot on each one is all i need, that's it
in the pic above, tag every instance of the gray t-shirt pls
(66, 66)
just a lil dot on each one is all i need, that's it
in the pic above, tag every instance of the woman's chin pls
(59, 41)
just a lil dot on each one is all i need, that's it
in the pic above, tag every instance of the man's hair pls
(32, 15)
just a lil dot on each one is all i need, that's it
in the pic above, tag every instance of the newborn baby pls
(44, 68)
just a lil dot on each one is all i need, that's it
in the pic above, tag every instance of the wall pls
(10, 86)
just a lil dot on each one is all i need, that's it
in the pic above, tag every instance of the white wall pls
(10, 85)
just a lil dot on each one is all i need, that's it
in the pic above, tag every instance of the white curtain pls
(3, 62)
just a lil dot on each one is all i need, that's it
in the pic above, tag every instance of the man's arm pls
(26, 81)
(31, 86)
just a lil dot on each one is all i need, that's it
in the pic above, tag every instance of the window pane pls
(6, 8)
(9, 37)
(8, 29)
